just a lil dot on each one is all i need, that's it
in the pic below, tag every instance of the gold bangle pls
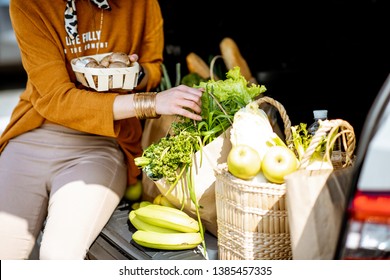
(145, 105)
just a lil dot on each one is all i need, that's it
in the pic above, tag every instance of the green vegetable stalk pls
(301, 139)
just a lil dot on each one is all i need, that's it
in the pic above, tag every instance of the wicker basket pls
(104, 79)
(252, 217)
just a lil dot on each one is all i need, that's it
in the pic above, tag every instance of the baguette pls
(196, 65)
(232, 57)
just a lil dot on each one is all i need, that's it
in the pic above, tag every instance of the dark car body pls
(366, 229)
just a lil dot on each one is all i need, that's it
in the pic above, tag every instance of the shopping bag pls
(211, 155)
(202, 169)
(316, 199)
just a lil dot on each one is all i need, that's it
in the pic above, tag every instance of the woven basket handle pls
(328, 129)
(282, 112)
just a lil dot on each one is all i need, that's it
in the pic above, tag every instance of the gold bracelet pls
(145, 105)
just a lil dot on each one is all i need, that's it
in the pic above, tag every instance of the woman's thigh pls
(23, 199)
(83, 197)
(73, 178)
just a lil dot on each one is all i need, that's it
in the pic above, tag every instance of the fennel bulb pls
(252, 127)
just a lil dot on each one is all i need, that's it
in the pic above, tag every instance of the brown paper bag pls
(203, 166)
(316, 199)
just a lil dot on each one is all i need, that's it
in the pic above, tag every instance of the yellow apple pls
(134, 192)
(278, 162)
(243, 162)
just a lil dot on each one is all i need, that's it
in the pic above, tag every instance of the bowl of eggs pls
(106, 71)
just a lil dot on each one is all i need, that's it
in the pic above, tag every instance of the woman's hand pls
(142, 79)
(133, 57)
(180, 100)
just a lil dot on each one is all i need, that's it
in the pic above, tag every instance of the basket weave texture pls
(252, 216)
(104, 79)
(252, 219)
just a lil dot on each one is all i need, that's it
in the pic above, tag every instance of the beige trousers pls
(62, 182)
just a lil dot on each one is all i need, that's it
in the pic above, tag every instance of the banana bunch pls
(165, 228)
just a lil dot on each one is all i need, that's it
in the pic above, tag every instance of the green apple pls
(134, 192)
(278, 162)
(243, 162)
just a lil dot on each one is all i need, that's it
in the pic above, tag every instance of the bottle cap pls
(320, 114)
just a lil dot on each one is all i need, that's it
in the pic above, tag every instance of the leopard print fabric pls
(71, 15)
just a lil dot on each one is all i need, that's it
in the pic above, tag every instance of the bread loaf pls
(232, 57)
(197, 65)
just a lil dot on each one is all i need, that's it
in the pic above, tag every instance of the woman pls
(68, 152)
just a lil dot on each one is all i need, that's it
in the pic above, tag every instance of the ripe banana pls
(157, 199)
(135, 205)
(144, 203)
(167, 241)
(173, 210)
(141, 225)
(162, 200)
(167, 217)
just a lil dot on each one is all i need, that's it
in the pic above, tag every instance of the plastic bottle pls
(318, 115)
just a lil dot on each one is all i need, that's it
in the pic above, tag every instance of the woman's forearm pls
(123, 107)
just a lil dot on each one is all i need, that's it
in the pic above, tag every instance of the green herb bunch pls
(170, 154)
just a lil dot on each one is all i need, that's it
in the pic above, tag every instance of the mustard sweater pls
(51, 91)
